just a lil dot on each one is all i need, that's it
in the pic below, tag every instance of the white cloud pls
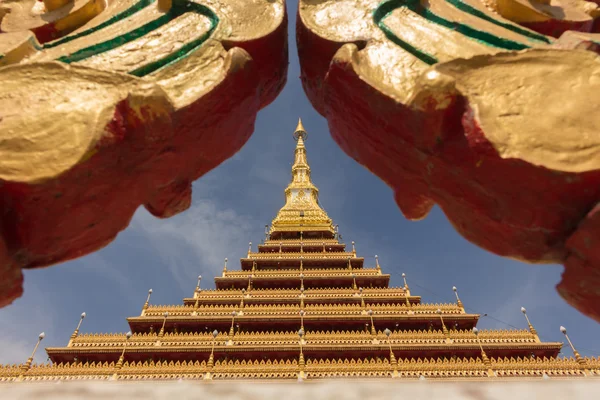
(197, 241)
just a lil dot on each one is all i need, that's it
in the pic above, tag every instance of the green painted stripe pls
(186, 48)
(387, 7)
(178, 8)
(140, 5)
(380, 13)
(511, 27)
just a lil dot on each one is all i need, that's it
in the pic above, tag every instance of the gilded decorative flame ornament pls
(487, 109)
(303, 318)
(107, 105)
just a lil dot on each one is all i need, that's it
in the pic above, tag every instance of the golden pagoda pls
(303, 307)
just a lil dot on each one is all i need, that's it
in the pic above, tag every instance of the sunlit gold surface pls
(504, 110)
(301, 198)
(506, 89)
(537, 11)
(68, 106)
(29, 14)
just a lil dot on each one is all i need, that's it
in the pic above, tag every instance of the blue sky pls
(231, 205)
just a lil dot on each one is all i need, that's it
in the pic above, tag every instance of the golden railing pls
(458, 368)
(310, 309)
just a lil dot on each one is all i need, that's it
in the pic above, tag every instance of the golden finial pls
(198, 284)
(122, 357)
(147, 299)
(377, 263)
(484, 356)
(76, 331)
(373, 331)
(249, 285)
(362, 298)
(27, 364)
(349, 263)
(353, 247)
(302, 320)
(249, 248)
(458, 302)
(393, 361)
(404, 278)
(444, 329)
(301, 263)
(354, 282)
(266, 232)
(242, 300)
(211, 358)
(301, 282)
(531, 328)
(301, 357)
(300, 132)
(231, 331)
(578, 357)
(161, 333)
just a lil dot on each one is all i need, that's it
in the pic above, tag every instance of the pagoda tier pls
(303, 306)
(288, 317)
(292, 279)
(316, 345)
(310, 296)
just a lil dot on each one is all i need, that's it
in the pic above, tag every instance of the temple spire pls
(302, 211)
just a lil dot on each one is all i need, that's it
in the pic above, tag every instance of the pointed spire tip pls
(300, 132)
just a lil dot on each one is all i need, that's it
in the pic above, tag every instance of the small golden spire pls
(362, 298)
(444, 329)
(198, 284)
(531, 328)
(231, 331)
(578, 357)
(147, 299)
(353, 248)
(406, 289)
(349, 263)
(484, 356)
(249, 248)
(122, 357)
(161, 333)
(211, 359)
(302, 320)
(458, 302)
(377, 264)
(27, 364)
(242, 300)
(373, 331)
(299, 128)
(76, 331)
(301, 375)
(393, 361)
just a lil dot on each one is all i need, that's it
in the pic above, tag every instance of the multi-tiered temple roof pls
(304, 306)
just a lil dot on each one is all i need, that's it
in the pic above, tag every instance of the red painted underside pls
(84, 209)
(506, 206)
